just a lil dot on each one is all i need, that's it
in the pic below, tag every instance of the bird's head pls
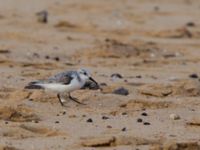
(85, 75)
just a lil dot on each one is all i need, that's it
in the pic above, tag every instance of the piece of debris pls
(57, 122)
(121, 91)
(146, 123)
(56, 58)
(144, 114)
(190, 24)
(109, 126)
(89, 120)
(116, 75)
(98, 141)
(42, 16)
(124, 129)
(174, 116)
(139, 120)
(105, 117)
(194, 75)
(4, 51)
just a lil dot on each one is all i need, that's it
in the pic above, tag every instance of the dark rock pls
(121, 91)
(138, 76)
(146, 123)
(47, 57)
(156, 8)
(109, 126)
(57, 122)
(89, 120)
(4, 51)
(56, 58)
(144, 114)
(124, 113)
(124, 129)
(105, 117)
(139, 120)
(36, 121)
(116, 75)
(190, 24)
(42, 16)
(103, 84)
(194, 75)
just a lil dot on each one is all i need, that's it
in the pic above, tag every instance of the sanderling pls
(64, 82)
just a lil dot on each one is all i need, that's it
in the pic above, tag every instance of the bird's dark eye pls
(85, 73)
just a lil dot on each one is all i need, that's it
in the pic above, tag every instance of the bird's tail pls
(33, 85)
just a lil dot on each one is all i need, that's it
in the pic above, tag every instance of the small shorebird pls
(63, 82)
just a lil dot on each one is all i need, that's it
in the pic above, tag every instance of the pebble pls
(109, 126)
(174, 116)
(103, 84)
(124, 113)
(138, 76)
(190, 24)
(146, 123)
(105, 117)
(139, 120)
(194, 75)
(57, 122)
(144, 114)
(89, 120)
(47, 57)
(121, 91)
(42, 16)
(56, 58)
(116, 75)
(124, 129)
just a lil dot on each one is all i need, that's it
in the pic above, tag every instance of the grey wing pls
(63, 78)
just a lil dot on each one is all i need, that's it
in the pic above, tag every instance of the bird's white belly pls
(60, 88)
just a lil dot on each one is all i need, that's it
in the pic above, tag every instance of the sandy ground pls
(153, 44)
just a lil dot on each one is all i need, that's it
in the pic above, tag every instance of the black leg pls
(75, 100)
(58, 95)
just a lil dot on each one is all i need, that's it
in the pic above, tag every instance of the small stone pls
(139, 120)
(146, 123)
(47, 57)
(42, 16)
(57, 122)
(103, 84)
(64, 112)
(105, 117)
(36, 121)
(6, 122)
(109, 126)
(174, 116)
(138, 76)
(124, 129)
(194, 75)
(116, 75)
(124, 113)
(56, 58)
(144, 114)
(121, 91)
(89, 120)
(190, 24)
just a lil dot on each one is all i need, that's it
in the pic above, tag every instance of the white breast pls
(60, 88)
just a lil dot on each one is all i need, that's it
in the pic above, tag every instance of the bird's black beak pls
(90, 78)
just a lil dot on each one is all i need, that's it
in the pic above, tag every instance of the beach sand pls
(154, 45)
